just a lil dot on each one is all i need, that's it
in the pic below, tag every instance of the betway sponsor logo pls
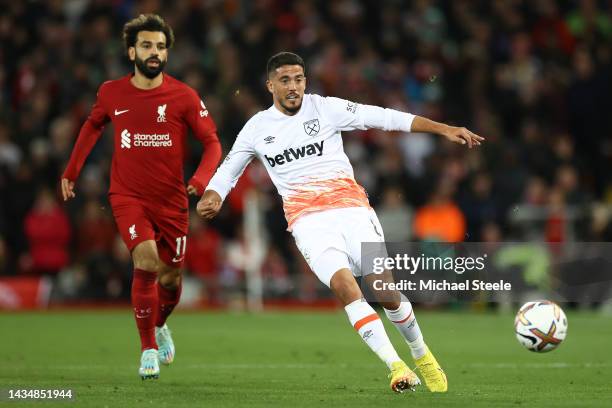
(291, 154)
(144, 140)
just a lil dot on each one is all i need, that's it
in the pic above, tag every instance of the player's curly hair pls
(146, 22)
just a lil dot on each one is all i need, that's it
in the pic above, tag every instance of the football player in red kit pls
(151, 112)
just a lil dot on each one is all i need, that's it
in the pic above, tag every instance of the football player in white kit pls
(299, 141)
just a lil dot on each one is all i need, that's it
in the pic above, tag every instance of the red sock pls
(144, 301)
(168, 299)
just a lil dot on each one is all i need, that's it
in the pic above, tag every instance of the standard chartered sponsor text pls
(152, 140)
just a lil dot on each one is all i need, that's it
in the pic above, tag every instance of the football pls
(540, 326)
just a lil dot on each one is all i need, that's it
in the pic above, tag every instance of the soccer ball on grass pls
(540, 326)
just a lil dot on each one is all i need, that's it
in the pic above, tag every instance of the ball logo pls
(126, 139)
(540, 326)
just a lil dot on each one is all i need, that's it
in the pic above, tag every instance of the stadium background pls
(533, 77)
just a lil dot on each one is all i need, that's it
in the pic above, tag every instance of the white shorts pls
(331, 240)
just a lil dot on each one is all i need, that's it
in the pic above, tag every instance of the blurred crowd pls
(533, 77)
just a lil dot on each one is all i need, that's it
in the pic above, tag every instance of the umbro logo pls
(269, 139)
(367, 334)
(119, 112)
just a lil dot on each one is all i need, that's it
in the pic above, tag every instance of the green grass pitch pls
(299, 359)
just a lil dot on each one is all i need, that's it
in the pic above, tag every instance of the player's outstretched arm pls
(347, 115)
(209, 205)
(455, 134)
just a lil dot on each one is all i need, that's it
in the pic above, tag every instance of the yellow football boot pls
(402, 378)
(432, 373)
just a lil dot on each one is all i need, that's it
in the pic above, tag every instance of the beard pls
(146, 70)
(291, 109)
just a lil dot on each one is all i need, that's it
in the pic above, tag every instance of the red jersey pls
(150, 129)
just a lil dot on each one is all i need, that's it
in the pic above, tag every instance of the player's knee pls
(149, 264)
(145, 257)
(345, 287)
(390, 304)
(389, 299)
(170, 278)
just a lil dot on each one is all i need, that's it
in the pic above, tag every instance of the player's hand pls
(462, 135)
(209, 205)
(191, 190)
(67, 189)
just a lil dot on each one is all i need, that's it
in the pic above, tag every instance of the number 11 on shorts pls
(181, 246)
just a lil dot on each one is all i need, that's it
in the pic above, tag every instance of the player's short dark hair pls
(146, 22)
(283, 58)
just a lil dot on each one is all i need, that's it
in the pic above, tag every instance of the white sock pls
(370, 328)
(404, 319)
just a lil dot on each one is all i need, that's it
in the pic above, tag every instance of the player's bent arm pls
(229, 172)
(210, 159)
(205, 130)
(226, 177)
(88, 136)
(239, 156)
(210, 204)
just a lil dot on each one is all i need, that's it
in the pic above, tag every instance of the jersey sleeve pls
(346, 115)
(198, 117)
(88, 136)
(235, 162)
(204, 129)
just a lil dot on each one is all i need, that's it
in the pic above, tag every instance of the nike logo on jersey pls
(295, 154)
(119, 112)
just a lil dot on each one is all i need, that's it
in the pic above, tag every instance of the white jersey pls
(304, 154)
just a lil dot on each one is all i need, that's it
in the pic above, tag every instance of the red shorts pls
(138, 222)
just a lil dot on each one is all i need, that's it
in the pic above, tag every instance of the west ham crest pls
(312, 127)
